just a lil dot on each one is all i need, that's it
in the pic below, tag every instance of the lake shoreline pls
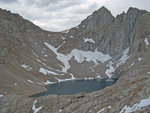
(104, 80)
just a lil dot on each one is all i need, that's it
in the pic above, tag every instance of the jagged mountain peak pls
(103, 9)
(101, 14)
(97, 20)
(132, 10)
(104, 29)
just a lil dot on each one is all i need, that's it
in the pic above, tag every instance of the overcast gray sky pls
(58, 15)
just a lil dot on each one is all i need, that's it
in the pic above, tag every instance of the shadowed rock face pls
(27, 63)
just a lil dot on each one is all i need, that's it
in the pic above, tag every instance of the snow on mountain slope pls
(137, 106)
(146, 42)
(109, 72)
(35, 110)
(88, 40)
(79, 56)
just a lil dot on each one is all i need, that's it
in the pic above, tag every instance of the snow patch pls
(15, 84)
(137, 106)
(63, 37)
(71, 36)
(148, 72)
(1, 95)
(98, 76)
(108, 107)
(132, 64)
(124, 57)
(45, 72)
(60, 110)
(62, 80)
(48, 82)
(34, 54)
(61, 45)
(146, 42)
(79, 56)
(110, 70)
(39, 83)
(139, 59)
(38, 60)
(27, 67)
(30, 81)
(88, 40)
(63, 58)
(46, 55)
(51, 68)
(35, 110)
(88, 78)
(89, 56)
(72, 76)
(121, 61)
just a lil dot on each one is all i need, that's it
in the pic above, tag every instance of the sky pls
(59, 15)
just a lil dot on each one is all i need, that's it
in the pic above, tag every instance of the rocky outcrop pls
(112, 35)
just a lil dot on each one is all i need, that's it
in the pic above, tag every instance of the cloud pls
(58, 15)
(8, 1)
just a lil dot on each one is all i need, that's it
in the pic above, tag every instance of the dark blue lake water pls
(76, 86)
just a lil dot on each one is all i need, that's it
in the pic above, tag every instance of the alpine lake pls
(72, 87)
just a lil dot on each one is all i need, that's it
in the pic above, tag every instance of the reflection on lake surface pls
(76, 86)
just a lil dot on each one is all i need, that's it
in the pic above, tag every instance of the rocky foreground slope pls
(102, 45)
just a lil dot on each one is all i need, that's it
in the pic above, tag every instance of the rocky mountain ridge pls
(102, 45)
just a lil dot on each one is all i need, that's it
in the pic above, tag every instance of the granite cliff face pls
(102, 45)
